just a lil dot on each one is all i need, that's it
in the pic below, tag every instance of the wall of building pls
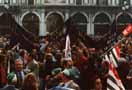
(66, 9)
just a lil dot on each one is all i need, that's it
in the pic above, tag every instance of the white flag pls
(67, 47)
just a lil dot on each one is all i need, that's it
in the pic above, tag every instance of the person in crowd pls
(43, 44)
(3, 80)
(104, 73)
(19, 73)
(11, 82)
(67, 81)
(98, 83)
(54, 80)
(33, 65)
(21, 53)
(129, 76)
(74, 72)
(30, 82)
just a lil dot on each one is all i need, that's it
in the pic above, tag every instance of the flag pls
(21, 35)
(67, 47)
(113, 80)
(71, 30)
(127, 30)
(113, 55)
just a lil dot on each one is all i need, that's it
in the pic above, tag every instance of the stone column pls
(113, 2)
(67, 1)
(88, 28)
(71, 1)
(109, 2)
(94, 2)
(66, 15)
(91, 25)
(42, 30)
(85, 1)
(130, 2)
(42, 1)
(92, 28)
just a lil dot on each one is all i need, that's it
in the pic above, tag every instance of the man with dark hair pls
(33, 65)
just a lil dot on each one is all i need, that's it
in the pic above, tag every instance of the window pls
(30, 2)
(101, 25)
(80, 22)
(78, 2)
(122, 2)
(102, 2)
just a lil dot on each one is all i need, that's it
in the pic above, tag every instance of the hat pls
(67, 59)
(10, 77)
(66, 72)
(56, 71)
(74, 73)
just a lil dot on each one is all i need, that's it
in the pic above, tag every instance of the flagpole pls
(122, 36)
(113, 46)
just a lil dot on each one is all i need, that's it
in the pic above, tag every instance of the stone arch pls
(101, 24)
(54, 22)
(123, 19)
(80, 20)
(54, 12)
(101, 13)
(30, 12)
(31, 22)
(124, 15)
(81, 13)
(6, 24)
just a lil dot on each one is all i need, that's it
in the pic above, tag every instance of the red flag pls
(117, 51)
(127, 30)
(114, 81)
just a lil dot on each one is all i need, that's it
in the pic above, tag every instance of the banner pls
(127, 30)
(67, 47)
(114, 81)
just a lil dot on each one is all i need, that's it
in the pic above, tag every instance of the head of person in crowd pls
(58, 57)
(18, 65)
(65, 75)
(11, 82)
(67, 63)
(98, 83)
(48, 56)
(30, 82)
(21, 52)
(34, 53)
(11, 78)
(67, 81)
(30, 57)
(48, 49)
(54, 80)
(56, 71)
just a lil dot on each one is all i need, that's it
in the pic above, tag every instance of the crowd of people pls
(46, 68)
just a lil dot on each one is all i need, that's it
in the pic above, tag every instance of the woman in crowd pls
(30, 82)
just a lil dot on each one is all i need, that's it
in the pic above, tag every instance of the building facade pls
(93, 17)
